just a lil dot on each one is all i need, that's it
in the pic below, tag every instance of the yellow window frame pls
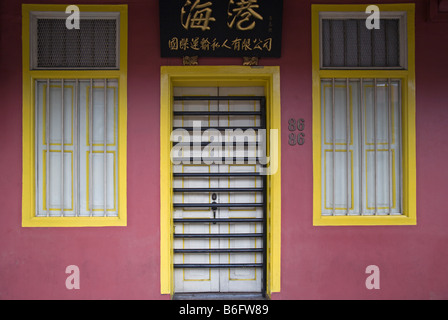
(206, 76)
(407, 78)
(29, 218)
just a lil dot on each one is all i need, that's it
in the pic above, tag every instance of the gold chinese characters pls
(241, 14)
(204, 44)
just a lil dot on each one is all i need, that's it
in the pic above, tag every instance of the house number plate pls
(299, 137)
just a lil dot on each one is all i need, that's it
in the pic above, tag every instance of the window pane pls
(78, 118)
(55, 174)
(365, 175)
(340, 166)
(382, 146)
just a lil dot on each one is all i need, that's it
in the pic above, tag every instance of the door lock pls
(214, 208)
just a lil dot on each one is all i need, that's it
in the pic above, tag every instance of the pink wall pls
(317, 262)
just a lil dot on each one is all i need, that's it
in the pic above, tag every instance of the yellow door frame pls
(208, 76)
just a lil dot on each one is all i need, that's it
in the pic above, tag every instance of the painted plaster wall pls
(317, 262)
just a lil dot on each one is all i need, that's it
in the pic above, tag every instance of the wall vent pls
(93, 46)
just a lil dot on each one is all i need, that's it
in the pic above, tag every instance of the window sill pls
(74, 222)
(364, 220)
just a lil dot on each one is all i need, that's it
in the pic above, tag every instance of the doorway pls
(218, 191)
(248, 204)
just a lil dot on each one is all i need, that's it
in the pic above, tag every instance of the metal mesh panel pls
(93, 45)
(351, 44)
(348, 43)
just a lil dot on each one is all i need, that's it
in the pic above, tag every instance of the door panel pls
(241, 279)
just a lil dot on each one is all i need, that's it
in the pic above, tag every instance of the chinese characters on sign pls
(220, 28)
(243, 13)
(204, 44)
(199, 15)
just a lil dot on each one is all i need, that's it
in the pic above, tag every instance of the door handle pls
(214, 208)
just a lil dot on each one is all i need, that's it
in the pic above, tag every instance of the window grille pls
(77, 119)
(222, 185)
(348, 43)
(361, 147)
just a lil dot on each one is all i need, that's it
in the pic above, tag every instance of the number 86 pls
(292, 124)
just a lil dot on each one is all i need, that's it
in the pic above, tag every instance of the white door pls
(232, 244)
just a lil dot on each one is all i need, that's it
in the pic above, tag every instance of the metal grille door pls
(219, 194)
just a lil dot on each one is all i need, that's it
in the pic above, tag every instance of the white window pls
(361, 149)
(360, 117)
(74, 115)
(363, 112)
(71, 119)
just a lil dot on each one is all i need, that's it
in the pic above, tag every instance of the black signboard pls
(221, 28)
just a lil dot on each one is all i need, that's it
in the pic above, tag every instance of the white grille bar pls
(347, 106)
(361, 130)
(374, 144)
(76, 150)
(91, 149)
(62, 147)
(334, 146)
(389, 134)
(47, 140)
(105, 150)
